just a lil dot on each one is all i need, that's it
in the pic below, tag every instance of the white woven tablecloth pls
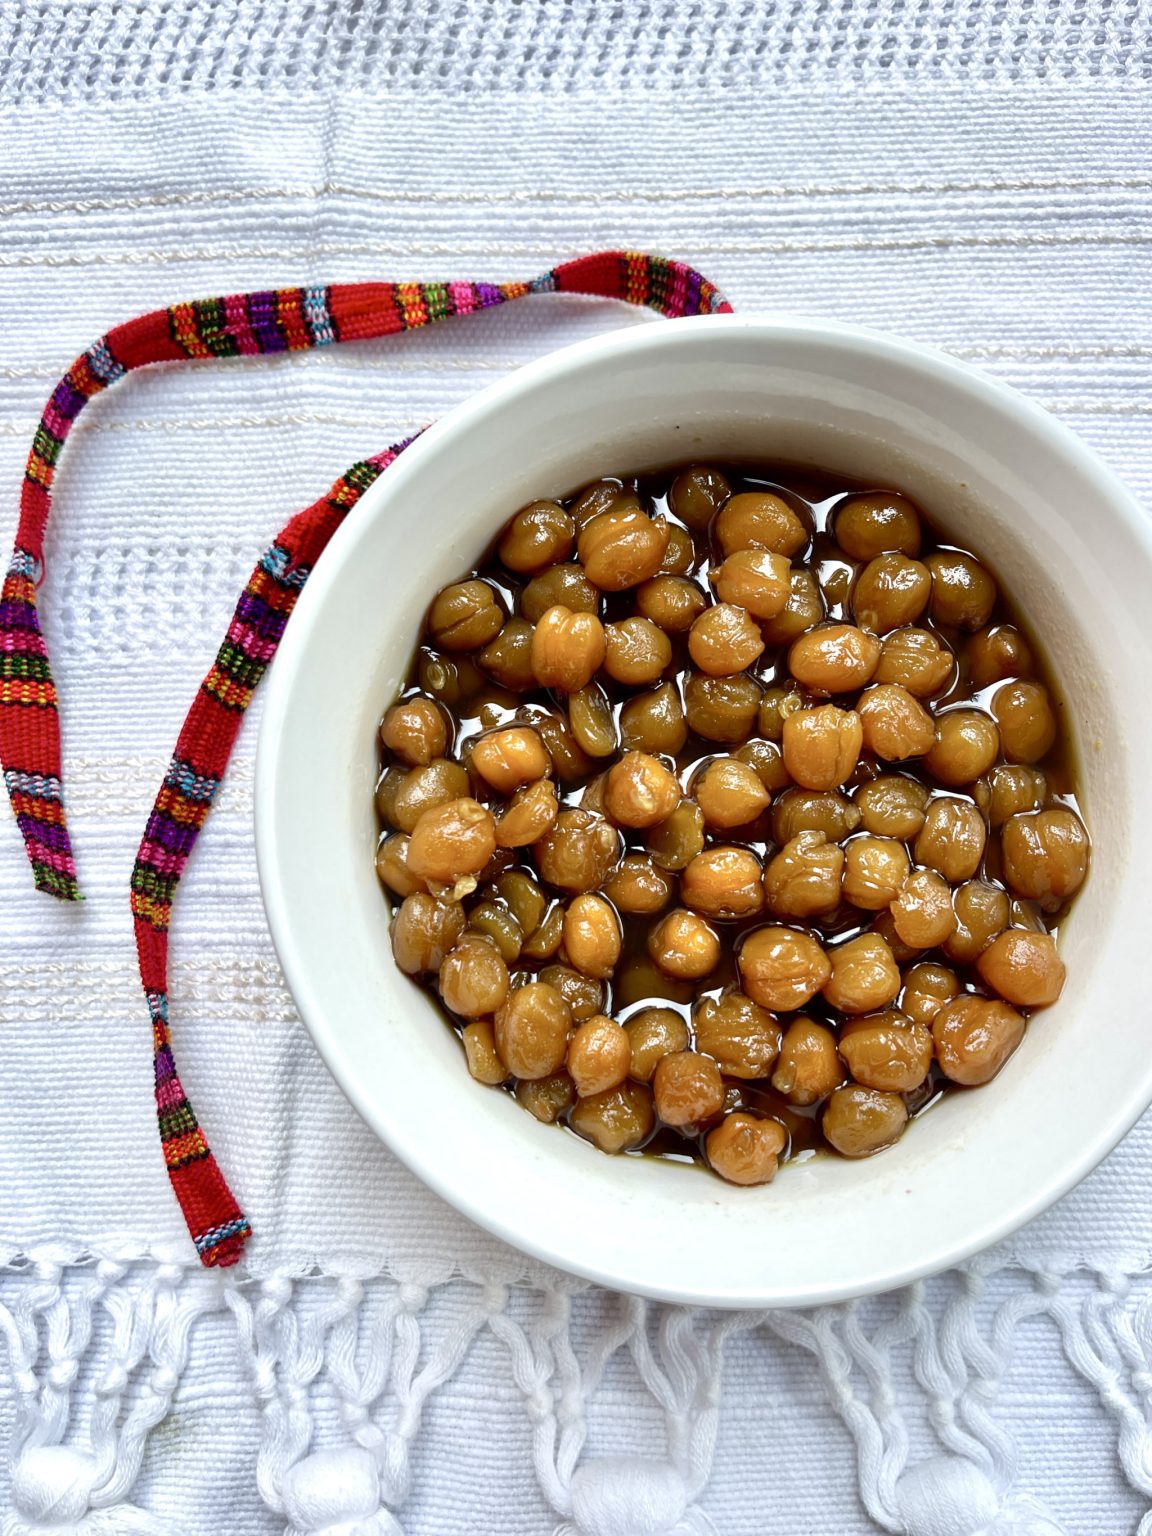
(971, 173)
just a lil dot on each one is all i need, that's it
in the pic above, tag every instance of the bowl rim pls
(775, 326)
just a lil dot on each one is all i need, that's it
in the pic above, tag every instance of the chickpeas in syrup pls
(730, 816)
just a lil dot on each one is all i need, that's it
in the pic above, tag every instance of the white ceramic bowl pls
(1012, 483)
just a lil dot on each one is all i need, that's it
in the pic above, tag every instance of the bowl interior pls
(1008, 481)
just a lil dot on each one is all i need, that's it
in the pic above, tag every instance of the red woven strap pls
(243, 324)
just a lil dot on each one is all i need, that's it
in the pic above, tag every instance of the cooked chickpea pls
(922, 913)
(760, 520)
(592, 941)
(560, 586)
(523, 898)
(481, 1054)
(729, 793)
(892, 805)
(822, 746)
(680, 556)
(896, 726)
(654, 1033)
(967, 744)
(654, 722)
(777, 703)
(541, 534)
(803, 879)
(637, 651)
(392, 866)
(997, 653)
(742, 1038)
(952, 839)
(404, 796)
(927, 987)
(622, 547)
(877, 524)
(745, 1149)
(578, 852)
(674, 843)
(473, 981)
(599, 1054)
(567, 649)
(508, 658)
(875, 869)
(545, 939)
(724, 640)
(423, 932)
(808, 1067)
(887, 1051)
(697, 494)
(465, 616)
(974, 1037)
(963, 593)
(547, 1097)
(683, 944)
(672, 603)
(640, 791)
(804, 608)
(889, 592)
(688, 1088)
(452, 840)
(723, 882)
(1027, 723)
(415, 731)
(510, 758)
(591, 722)
(859, 1121)
(531, 813)
(721, 708)
(754, 580)
(1023, 967)
(1010, 789)
(569, 759)
(884, 926)
(615, 1121)
(497, 923)
(583, 994)
(981, 911)
(598, 497)
(864, 975)
(782, 968)
(915, 659)
(639, 886)
(802, 810)
(834, 658)
(767, 761)
(1045, 855)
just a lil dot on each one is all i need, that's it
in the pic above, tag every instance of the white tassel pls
(336, 1493)
(951, 1496)
(52, 1489)
(632, 1496)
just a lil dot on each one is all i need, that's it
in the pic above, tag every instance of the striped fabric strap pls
(240, 325)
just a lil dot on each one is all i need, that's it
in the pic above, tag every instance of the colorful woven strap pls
(244, 324)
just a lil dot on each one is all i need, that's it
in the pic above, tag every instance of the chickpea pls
(864, 975)
(775, 707)
(859, 1121)
(724, 640)
(637, 651)
(541, 534)
(915, 660)
(721, 708)
(889, 592)
(676, 842)
(782, 968)
(508, 658)
(1023, 711)
(481, 1054)
(592, 941)
(997, 653)
(963, 593)
(392, 866)
(892, 805)
(822, 746)
(885, 928)
(584, 994)
(622, 547)
(697, 494)
(760, 520)
(834, 658)
(745, 1150)
(672, 603)
(804, 608)
(615, 1121)
(887, 1051)
(423, 931)
(577, 854)
(599, 1054)
(473, 982)
(684, 945)
(729, 793)
(569, 759)
(927, 987)
(896, 726)
(597, 498)
(967, 744)
(531, 813)
(465, 616)
(1045, 855)
(688, 1088)
(404, 796)
(545, 939)
(654, 722)
(952, 839)
(452, 840)
(755, 580)
(654, 1033)
(724, 883)
(808, 1068)
(560, 586)
(1023, 967)
(492, 706)
(510, 758)
(640, 791)
(981, 913)
(741, 1037)
(974, 1037)
(767, 761)
(523, 897)
(495, 922)
(415, 731)
(547, 1097)
(680, 556)
(639, 886)
(591, 723)
(1010, 789)
(875, 869)
(922, 913)
(876, 524)
(567, 649)
(803, 880)
(800, 810)
(447, 680)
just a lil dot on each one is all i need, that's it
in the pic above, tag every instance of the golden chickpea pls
(531, 1029)
(782, 968)
(887, 1051)
(760, 520)
(415, 731)
(491, 706)
(1045, 855)
(886, 929)
(808, 1068)
(680, 556)
(622, 547)
(403, 797)
(531, 813)
(654, 1033)
(597, 498)
(423, 931)
(922, 913)
(927, 987)
(497, 923)
(1023, 967)
(892, 805)
(640, 791)
(776, 705)
(963, 593)
(592, 941)
(804, 608)
(875, 869)
(510, 758)
(697, 494)
(481, 1054)
(569, 759)
(981, 911)
(637, 651)
(834, 658)
(452, 840)
(583, 994)
(540, 534)
(822, 746)
(742, 1038)
(599, 1054)
(723, 882)
(997, 653)
(915, 660)
(547, 1097)
(473, 980)
(654, 722)
(889, 592)
(801, 810)
(1010, 789)
(567, 649)
(745, 1150)
(974, 1037)
(896, 726)
(859, 1121)
(767, 761)
(676, 842)
(392, 866)
(591, 722)
(615, 1121)
(545, 939)
(756, 580)
(803, 880)
(508, 658)
(672, 603)
(1023, 711)
(684, 945)
(952, 839)
(639, 886)
(577, 854)
(525, 900)
(721, 708)
(465, 616)
(440, 676)
(876, 524)
(729, 793)
(560, 586)
(967, 744)
(864, 976)
(724, 640)
(688, 1088)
